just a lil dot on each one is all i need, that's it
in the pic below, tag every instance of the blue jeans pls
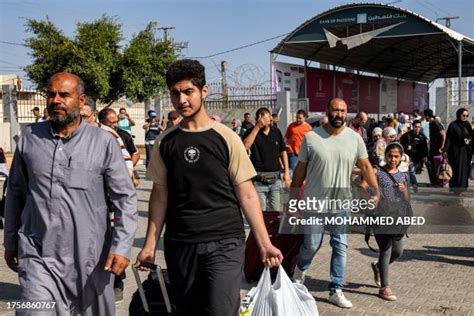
(412, 174)
(293, 161)
(270, 192)
(312, 243)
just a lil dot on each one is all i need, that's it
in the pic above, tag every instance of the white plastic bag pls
(290, 299)
(258, 302)
(283, 298)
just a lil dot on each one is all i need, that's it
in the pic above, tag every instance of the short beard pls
(58, 122)
(333, 123)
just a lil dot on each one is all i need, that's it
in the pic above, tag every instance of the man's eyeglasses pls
(465, 115)
(172, 118)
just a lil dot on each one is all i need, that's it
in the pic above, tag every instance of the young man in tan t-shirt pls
(202, 178)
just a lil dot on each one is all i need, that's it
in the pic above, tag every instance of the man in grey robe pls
(57, 226)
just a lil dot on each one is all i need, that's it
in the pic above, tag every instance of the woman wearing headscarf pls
(376, 134)
(389, 135)
(403, 125)
(237, 127)
(459, 151)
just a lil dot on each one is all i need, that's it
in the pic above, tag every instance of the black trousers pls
(206, 277)
(391, 248)
(148, 151)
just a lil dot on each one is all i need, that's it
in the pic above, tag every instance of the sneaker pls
(376, 271)
(386, 294)
(298, 276)
(338, 298)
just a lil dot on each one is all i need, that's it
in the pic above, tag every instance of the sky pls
(209, 27)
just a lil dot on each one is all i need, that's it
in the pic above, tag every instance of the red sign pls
(405, 96)
(369, 94)
(347, 89)
(361, 93)
(320, 88)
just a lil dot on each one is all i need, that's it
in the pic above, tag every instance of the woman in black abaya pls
(459, 150)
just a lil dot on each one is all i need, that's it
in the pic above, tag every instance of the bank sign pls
(405, 24)
(362, 18)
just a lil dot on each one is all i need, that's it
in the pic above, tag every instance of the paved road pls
(434, 276)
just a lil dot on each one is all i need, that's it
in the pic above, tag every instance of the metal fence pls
(217, 92)
(27, 99)
(233, 98)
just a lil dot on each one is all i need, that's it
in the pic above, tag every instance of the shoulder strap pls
(367, 238)
(389, 174)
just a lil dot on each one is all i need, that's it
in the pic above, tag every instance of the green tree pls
(144, 63)
(109, 70)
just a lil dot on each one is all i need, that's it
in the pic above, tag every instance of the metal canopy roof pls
(381, 39)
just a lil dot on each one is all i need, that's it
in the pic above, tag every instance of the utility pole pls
(166, 32)
(447, 82)
(10, 108)
(447, 20)
(224, 87)
(167, 37)
(152, 104)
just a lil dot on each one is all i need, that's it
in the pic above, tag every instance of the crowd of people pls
(71, 205)
(70, 171)
(427, 143)
(425, 140)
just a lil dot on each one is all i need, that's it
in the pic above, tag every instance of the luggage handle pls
(158, 273)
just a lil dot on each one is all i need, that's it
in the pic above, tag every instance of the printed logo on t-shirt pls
(191, 154)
